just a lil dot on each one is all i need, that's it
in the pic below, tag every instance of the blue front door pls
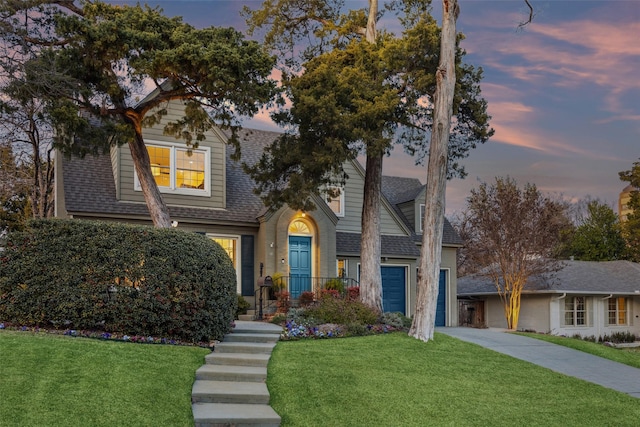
(299, 265)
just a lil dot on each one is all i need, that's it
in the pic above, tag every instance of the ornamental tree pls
(110, 56)
(512, 234)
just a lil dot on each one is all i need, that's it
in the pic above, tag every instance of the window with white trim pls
(178, 169)
(422, 207)
(576, 312)
(617, 311)
(336, 203)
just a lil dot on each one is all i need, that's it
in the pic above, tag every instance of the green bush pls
(243, 306)
(117, 278)
(341, 311)
(396, 320)
(335, 285)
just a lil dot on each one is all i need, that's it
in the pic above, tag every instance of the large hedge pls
(115, 277)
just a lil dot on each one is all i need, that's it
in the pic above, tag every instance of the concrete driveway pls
(561, 359)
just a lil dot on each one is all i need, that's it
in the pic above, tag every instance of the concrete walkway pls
(561, 359)
(230, 388)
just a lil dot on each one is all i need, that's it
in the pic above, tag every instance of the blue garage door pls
(441, 306)
(393, 289)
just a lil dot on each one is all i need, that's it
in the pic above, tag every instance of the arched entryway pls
(300, 257)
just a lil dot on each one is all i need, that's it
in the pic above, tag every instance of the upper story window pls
(336, 203)
(179, 170)
(421, 217)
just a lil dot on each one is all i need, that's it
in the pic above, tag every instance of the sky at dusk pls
(564, 93)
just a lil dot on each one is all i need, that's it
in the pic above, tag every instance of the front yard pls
(381, 380)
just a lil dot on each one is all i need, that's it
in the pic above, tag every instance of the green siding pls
(353, 196)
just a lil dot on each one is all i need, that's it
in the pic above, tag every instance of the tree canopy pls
(597, 236)
(511, 234)
(631, 226)
(355, 97)
(107, 58)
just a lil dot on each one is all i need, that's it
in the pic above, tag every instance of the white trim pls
(206, 192)
(238, 255)
(421, 211)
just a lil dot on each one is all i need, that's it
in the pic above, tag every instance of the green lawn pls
(384, 380)
(394, 380)
(49, 380)
(628, 356)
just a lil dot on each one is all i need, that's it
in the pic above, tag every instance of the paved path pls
(561, 359)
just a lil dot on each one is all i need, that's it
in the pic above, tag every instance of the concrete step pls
(232, 373)
(251, 337)
(255, 328)
(246, 317)
(237, 359)
(228, 414)
(244, 347)
(229, 392)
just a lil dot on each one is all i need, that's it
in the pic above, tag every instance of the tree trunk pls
(370, 249)
(155, 203)
(429, 269)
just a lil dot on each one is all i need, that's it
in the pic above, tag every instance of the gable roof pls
(400, 190)
(576, 277)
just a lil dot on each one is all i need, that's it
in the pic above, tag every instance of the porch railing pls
(296, 285)
(264, 300)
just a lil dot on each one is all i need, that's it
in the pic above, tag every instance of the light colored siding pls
(353, 197)
(217, 165)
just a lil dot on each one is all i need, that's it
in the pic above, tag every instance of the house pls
(588, 298)
(207, 192)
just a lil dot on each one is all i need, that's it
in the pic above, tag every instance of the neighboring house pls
(209, 193)
(588, 298)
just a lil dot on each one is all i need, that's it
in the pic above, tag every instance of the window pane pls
(160, 158)
(189, 169)
(622, 311)
(336, 202)
(229, 245)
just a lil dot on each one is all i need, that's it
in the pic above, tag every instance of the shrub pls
(353, 293)
(344, 312)
(243, 306)
(279, 282)
(329, 293)
(284, 302)
(306, 299)
(114, 277)
(395, 320)
(335, 285)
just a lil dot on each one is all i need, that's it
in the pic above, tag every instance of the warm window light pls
(155, 170)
